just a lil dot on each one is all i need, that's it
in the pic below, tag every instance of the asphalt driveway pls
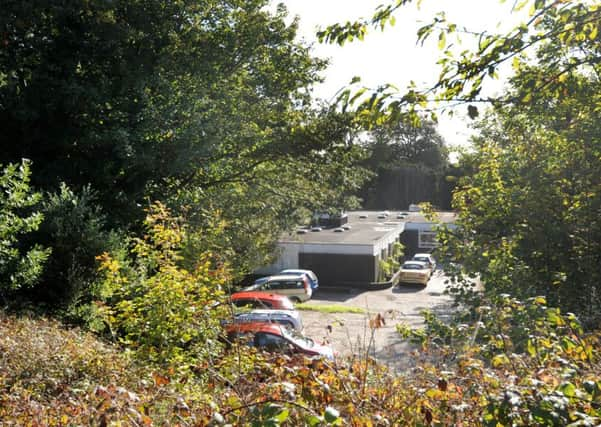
(351, 334)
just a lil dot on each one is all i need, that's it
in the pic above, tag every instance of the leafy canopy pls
(564, 34)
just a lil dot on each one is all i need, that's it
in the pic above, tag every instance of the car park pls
(263, 300)
(427, 258)
(295, 287)
(288, 318)
(415, 272)
(276, 338)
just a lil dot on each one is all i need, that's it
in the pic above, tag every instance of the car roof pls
(270, 312)
(415, 262)
(258, 295)
(285, 277)
(288, 271)
(423, 254)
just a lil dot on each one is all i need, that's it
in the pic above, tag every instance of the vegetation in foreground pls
(491, 372)
(211, 127)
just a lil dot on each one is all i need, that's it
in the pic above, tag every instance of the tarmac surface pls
(353, 335)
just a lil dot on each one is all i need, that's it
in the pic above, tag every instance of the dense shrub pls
(157, 306)
(75, 227)
(19, 266)
(520, 364)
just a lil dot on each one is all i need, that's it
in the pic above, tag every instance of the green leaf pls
(282, 416)
(331, 414)
(442, 40)
(531, 348)
(314, 420)
(568, 389)
(500, 360)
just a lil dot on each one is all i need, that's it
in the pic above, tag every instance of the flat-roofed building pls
(350, 254)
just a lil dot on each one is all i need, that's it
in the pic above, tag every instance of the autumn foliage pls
(507, 363)
(520, 363)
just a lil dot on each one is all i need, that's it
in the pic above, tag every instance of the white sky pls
(392, 56)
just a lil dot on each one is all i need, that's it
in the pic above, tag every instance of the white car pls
(427, 258)
(290, 318)
(297, 287)
(415, 272)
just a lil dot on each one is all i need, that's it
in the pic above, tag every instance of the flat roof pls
(366, 228)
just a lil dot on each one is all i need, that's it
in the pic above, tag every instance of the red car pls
(256, 299)
(274, 337)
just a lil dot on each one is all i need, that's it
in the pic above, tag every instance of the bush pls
(519, 363)
(20, 265)
(74, 226)
(166, 313)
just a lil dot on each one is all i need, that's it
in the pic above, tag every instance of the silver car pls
(290, 318)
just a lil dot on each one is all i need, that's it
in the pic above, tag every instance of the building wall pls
(336, 263)
(289, 254)
(415, 243)
(340, 269)
(409, 240)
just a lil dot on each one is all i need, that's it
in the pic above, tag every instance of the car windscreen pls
(413, 267)
(299, 339)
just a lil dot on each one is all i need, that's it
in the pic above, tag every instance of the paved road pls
(350, 334)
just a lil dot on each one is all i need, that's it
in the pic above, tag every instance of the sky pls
(392, 56)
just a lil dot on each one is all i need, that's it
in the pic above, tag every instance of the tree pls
(205, 106)
(529, 215)
(399, 143)
(408, 162)
(128, 95)
(565, 35)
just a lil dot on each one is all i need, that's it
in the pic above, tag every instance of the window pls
(270, 342)
(427, 239)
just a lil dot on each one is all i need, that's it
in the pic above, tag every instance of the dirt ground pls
(350, 334)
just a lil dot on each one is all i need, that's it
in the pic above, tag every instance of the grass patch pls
(330, 308)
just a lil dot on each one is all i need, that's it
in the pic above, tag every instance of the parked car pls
(297, 288)
(427, 258)
(273, 337)
(264, 300)
(415, 272)
(289, 318)
(312, 277)
(261, 280)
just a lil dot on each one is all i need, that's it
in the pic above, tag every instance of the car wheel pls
(295, 300)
